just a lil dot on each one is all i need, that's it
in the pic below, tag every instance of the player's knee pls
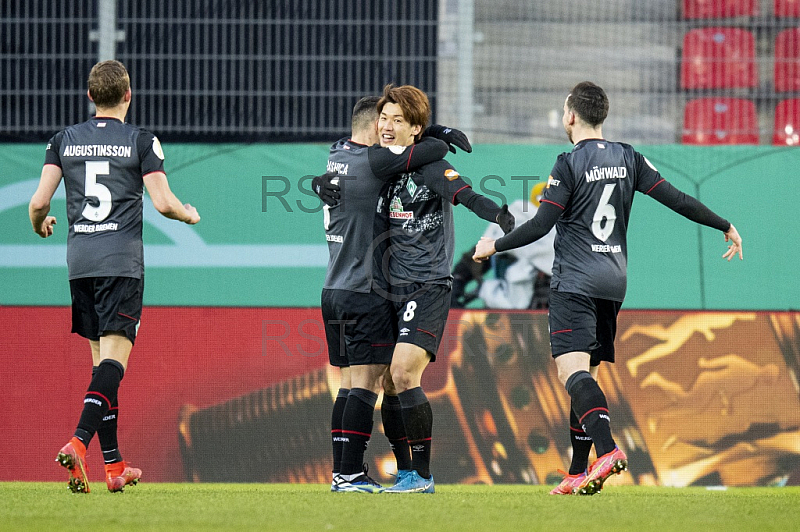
(403, 379)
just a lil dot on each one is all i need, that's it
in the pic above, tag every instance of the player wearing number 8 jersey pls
(589, 196)
(105, 163)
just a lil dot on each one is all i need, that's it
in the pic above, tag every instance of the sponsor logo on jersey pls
(396, 205)
(599, 173)
(92, 400)
(334, 238)
(95, 228)
(450, 174)
(605, 248)
(96, 150)
(404, 331)
(601, 145)
(338, 168)
(396, 210)
(551, 181)
(101, 124)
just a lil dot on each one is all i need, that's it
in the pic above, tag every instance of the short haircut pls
(589, 102)
(414, 103)
(108, 83)
(365, 113)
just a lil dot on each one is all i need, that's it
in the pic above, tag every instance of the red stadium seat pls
(717, 58)
(709, 121)
(787, 8)
(719, 8)
(787, 60)
(786, 131)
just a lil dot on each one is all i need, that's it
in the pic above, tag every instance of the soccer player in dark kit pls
(420, 257)
(359, 322)
(588, 198)
(105, 164)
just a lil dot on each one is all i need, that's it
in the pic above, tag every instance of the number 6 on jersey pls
(605, 211)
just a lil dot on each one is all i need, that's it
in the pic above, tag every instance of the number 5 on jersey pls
(93, 189)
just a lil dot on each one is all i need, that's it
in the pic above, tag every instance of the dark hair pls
(108, 83)
(414, 103)
(365, 112)
(589, 102)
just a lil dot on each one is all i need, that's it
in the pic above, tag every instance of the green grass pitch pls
(49, 506)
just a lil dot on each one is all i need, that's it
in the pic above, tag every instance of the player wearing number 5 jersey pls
(105, 164)
(589, 196)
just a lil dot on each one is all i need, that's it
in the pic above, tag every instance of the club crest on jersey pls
(553, 182)
(396, 210)
(450, 174)
(411, 187)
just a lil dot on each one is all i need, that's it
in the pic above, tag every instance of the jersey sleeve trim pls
(553, 203)
(154, 172)
(410, 153)
(454, 201)
(53, 164)
(654, 186)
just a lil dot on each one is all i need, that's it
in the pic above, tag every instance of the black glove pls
(453, 137)
(505, 220)
(327, 191)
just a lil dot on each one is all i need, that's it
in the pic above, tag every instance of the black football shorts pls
(583, 323)
(359, 328)
(106, 304)
(422, 315)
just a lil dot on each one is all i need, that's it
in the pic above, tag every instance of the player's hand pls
(484, 249)
(453, 137)
(733, 237)
(328, 192)
(46, 229)
(194, 217)
(505, 220)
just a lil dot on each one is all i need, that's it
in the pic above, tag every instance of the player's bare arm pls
(39, 207)
(166, 202)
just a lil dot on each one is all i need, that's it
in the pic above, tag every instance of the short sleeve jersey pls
(103, 161)
(422, 236)
(355, 229)
(594, 184)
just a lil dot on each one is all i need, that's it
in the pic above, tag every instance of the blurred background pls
(691, 71)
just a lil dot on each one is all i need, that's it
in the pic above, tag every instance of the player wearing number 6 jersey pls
(105, 163)
(589, 196)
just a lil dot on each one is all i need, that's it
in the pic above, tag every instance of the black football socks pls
(336, 428)
(591, 408)
(581, 445)
(102, 393)
(418, 420)
(393, 427)
(356, 430)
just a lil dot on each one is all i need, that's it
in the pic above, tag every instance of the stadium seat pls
(786, 131)
(719, 8)
(717, 58)
(787, 60)
(709, 121)
(787, 8)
